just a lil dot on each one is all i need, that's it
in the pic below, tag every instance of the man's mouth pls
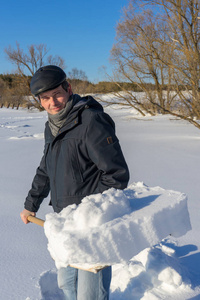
(57, 108)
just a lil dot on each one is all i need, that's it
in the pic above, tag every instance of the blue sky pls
(80, 31)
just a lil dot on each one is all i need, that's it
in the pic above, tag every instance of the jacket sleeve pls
(39, 190)
(105, 151)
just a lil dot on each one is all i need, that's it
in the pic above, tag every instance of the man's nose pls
(53, 100)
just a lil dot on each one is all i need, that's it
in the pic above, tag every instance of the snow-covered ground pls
(160, 151)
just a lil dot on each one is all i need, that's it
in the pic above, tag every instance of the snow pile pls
(113, 227)
(155, 273)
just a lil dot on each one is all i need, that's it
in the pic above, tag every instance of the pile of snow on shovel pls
(115, 226)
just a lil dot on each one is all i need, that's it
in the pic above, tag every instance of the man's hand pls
(24, 215)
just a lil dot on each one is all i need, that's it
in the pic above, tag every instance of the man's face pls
(54, 100)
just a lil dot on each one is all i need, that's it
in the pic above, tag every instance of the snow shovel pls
(94, 269)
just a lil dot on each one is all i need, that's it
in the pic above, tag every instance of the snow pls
(160, 151)
(112, 227)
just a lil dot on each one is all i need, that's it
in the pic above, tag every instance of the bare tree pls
(163, 49)
(183, 30)
(79, 80)
(136, 55)
(56, 60)
(77, 74)
(28, 62)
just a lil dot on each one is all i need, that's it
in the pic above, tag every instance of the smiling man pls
(82, 156)
(55, 100)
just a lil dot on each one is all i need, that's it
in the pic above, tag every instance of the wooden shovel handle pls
(36, 220)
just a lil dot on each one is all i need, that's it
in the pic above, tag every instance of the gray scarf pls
(57, 121)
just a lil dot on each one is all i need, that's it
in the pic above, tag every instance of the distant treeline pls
(81, 86)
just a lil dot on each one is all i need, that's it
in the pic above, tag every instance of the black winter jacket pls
(84, 158)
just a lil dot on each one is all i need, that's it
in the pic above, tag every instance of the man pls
(82, 156)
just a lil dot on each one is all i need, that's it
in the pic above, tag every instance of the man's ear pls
(69, 89)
